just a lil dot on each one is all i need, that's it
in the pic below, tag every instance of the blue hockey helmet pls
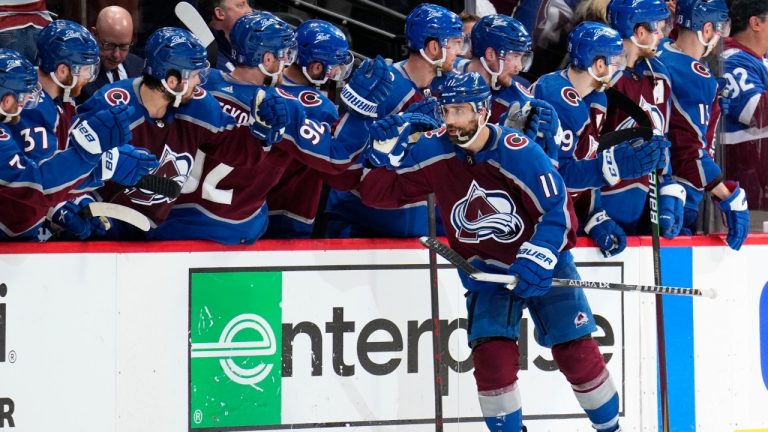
(626, 15)
(171, 49)
(500, 32)
(590, 41)
(320, 41)
(468, 88)
(428, 21)
(69, 43)
(693, 14)
(258, 33)
(18, 77)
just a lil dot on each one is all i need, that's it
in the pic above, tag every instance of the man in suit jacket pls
(114, 33)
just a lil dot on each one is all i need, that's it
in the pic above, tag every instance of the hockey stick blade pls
(459, 262)
(191, 18)
(116, 211)
(159, 185)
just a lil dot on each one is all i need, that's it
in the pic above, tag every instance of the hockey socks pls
(496, 366)
(502, 409)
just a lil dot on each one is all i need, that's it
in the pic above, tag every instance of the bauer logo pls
(764, 334)
(235, 353)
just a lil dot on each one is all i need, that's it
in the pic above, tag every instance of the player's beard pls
(467, 132)
(77, 89)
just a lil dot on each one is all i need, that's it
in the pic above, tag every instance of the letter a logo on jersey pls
(483, 214)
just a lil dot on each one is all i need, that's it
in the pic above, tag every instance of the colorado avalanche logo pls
(700, 69)
(515, 141)
(172, 165)
(284, 93)
(199, 93)
(486, 214)
(309, 98)
(657, 118)
(117, 96)
(570, 96)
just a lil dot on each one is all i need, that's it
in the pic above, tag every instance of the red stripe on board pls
(304, 245)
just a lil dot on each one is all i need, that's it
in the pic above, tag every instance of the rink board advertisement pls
(339, 336)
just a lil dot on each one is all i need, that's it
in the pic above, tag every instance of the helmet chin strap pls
(67, 88)
(274, 77)
(312, 80)
(438, 64)
(177, 95)
(9, 118)
(494, 75)
(465, 142)
(708, 47)
(652, 45)
(604, 81)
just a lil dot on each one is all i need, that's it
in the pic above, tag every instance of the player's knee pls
(579, 360)
(496, 364)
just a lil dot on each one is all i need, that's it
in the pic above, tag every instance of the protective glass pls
(525, 59)
(723, 29)
(341, 72)
(288, 55)
(458, 45)
(618, 62)
(87, 73)
(30, 99)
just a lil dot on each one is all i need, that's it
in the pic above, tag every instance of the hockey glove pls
(736, 214)
(104, 130)
(533, 267)
(723, 96)
(392, 135)
(516, 117)
(481, 286)
(73, 226)
(671, 206)
(543, 126)
(127, 164)
(271, 114)
(427, 106)
(608, 235)
(630, 160)
(369, 86)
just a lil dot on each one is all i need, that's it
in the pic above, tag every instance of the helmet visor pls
(30, 99)
(288, 55)
(341, 72)
(618, 62)
(457, 45)
(723, 29)
(524, 58)
(87, 73)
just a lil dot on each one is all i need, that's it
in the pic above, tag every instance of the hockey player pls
(323, 57)
(645, 81)
(700, 24)
(434, 36)
(746, 136)
(506, 208)
(225, 202)
(596, 55)
(30, 187)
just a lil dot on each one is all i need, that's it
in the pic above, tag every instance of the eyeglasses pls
(109, 46)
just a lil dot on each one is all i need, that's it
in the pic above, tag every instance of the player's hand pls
(533, 266)
(127, 164)
(671, 206)
(106, 129)
(723, 95)
(71, 225)
(271, 113)
(481, 286)
(427, 106)
(736, 212)
(369, 86)
(608, 235)
(392, 135)
(543, 126)
(631, 159)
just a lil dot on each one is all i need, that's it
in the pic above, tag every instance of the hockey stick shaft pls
(458, 261)
(437, 351)
(191, 18)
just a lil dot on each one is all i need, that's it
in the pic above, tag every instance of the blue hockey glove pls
(736, 214)
(533, 267)
(427, 106)
(608, 235)
(723, 95)
(480, 286)
(543, 127)
(369, 86)
(631, 159)
(73, 226)
(127, 164)
(671, 206)
(392, 135)
(271, 115)
(104, 130)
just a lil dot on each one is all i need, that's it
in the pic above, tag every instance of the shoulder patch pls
(4, 135)
(117, 96)
(515, 141)
(309, 98)
(199, 93)
(523, 89)
(700, 69)
(570, 96)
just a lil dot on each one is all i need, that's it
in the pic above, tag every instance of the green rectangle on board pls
(235, 331)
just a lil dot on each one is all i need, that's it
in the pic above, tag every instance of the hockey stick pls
(434, 300)
(459, 262)
(191, 18)
(116, 211)
(159, 185)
